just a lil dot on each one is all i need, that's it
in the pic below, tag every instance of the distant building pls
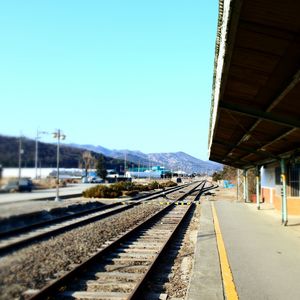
(153, 172)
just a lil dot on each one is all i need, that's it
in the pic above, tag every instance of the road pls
(37, 194)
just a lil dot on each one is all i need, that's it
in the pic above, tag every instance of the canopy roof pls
(256, 92)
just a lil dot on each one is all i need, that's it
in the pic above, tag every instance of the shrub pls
(101, 191)
(131, 193)
(123, 186)
(168, 184)
(141, 187)
(154, 185)
(127, 188)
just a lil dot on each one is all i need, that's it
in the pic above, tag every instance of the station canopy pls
(256, 91)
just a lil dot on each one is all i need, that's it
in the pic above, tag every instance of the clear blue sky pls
(127, 74)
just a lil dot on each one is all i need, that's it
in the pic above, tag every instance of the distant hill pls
(185, 162)
(172, 160)
(70, 157)
(136, 157)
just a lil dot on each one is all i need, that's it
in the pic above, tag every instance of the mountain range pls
(71, 156)
(172, 160)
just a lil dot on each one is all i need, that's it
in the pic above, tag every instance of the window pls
(294, 172)
(277, 176)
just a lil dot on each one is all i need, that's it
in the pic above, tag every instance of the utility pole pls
(36, 154)
(21, 151)
(125, 167)
(58, 134)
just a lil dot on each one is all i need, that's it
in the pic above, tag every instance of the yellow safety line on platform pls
(229, 287)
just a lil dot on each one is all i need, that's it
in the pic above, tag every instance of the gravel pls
(174, 273)
(182, 268)
(34, 266)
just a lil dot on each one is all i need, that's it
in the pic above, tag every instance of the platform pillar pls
(245, 186)
(258, 187)
(284, 214)
(238, 185)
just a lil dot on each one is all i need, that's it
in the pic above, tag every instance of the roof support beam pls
(295, 80)
(235, 163)
(247, 149)
(275, 140)
(232, 162)
(256, 113)
(282, 136)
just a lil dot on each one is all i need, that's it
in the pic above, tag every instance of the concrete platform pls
(264, 256)
(206, 281)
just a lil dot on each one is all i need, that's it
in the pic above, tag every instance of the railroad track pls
(21, 237)
(121, 268)
(30, 227)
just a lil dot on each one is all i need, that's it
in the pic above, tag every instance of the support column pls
(238, 185)
(245, 186)
(258, 187)
(284, 214)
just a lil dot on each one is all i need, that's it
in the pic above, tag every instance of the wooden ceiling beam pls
(295, 80)
(247, 149)
(259, 114)
(282, 136)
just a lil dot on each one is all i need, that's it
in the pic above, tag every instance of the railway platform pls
(263, 256)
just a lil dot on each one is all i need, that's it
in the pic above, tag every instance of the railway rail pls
(47, 198)
(21, 237)
(120, 269)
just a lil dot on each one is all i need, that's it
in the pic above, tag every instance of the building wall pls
(268, 195)
(29, 172)
(271, 192)
(293, 204)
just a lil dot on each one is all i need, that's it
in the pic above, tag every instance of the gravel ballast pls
(33, 267)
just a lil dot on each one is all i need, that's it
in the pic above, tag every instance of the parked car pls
(15, 185)
(95, 180)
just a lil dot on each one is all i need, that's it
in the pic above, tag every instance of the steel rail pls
(23, 229)
(137, 293)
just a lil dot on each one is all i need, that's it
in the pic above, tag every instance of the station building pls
(255, 111)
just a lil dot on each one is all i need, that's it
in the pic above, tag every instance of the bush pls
(127, 188)
(168, 184)
(101, 191)
(142, 187)
(122, 186)
(154, 185)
